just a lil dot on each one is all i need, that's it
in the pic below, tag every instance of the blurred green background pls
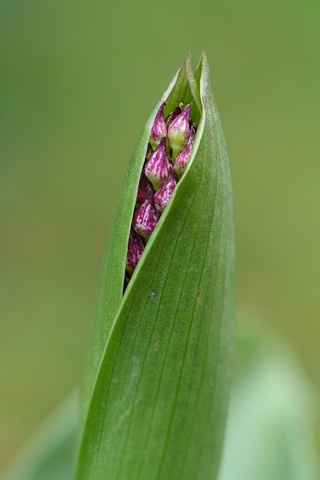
(78, 80)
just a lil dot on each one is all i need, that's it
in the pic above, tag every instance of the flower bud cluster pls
(166, 159)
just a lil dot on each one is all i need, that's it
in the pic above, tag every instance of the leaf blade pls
(109, 296)
(147, 401)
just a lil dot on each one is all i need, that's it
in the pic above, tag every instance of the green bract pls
(158, 380)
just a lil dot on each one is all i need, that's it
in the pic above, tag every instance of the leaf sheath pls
(158, 404)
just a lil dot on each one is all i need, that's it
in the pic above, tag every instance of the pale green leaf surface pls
(50, 453)
(271, 422)
(158, 406)
(270, 427)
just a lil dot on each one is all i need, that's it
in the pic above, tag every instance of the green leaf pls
(273, 408)
(50, 453)
(157, 405)
(110, 289)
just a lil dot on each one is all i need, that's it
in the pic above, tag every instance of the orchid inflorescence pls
(168, 152)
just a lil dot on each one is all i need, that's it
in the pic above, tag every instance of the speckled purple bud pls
(134, 252)
(158, 167)
(182, 159)
(159, 128)
(172, 116)
(179, 132)
(163, 195)
(145, 219)
(149, 151)
(144, 188)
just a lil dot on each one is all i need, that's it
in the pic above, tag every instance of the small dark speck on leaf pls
(198, 295)
(119, 432)
(152, 295)
(157, 347)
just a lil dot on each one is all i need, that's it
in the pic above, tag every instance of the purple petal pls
(145, 219)
(144, 188)
(162, 197)
(134, 252)
(159, 128)
(158, 167)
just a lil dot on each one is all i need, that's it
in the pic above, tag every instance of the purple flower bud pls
(159, 128)
(126, 282)
(158, 167)
(146, 218)
(134, 252)
(149, 151)
(182, 159)
(163, 195)
(179, 132)
(172, 116)
(144, 188)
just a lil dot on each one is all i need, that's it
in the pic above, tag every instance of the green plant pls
(156, 389)
(159, 373)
